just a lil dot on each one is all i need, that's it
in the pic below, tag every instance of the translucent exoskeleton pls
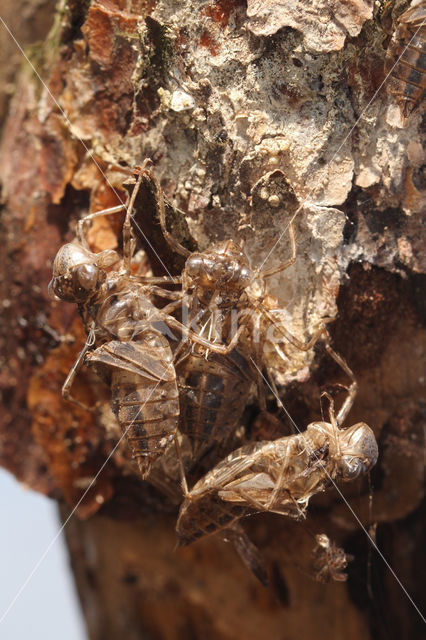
(279, 476)
(330, 561)
(126, 340)
(217, 303)
(406, 58)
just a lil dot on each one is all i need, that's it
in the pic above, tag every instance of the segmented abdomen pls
(206, 515)
(244, 482)
(147, 413)
(144, 393)
(407, 81)
(213, 396)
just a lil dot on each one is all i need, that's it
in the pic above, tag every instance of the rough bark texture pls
(247, 110)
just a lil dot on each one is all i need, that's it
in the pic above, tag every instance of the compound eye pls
(351, 468)
(51, 290)
(245, 275)
(193, 266)
(62, 288)
(87, 276)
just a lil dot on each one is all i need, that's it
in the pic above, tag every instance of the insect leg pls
(195, 337)
(284, 265)
(212, 329)
(80, 229)
(303, 346)
(66, 387)
(171, 295)
(278, 485)
(353, 388)
(270, 506)
(177, 353)
(129, 242)
(246, 497)
(248, 552)
(159, 279)
(257, 361)
(183, 481)
(333, 421)
(171, 307)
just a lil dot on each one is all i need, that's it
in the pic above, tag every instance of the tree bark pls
(250, 111)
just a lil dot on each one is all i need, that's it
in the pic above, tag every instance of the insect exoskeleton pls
(219, 305)
(77, 272)
(126, 342)
(213, 396)
(214, 387)
(139, 368)
(279, 476)
(406, 58)
(330, 561)
(219, 275)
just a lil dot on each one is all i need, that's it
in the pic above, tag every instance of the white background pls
(48, 607)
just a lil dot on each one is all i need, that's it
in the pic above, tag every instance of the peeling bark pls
(249, 112)
(324, 25)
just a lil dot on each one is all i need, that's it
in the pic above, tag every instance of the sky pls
(47, 608)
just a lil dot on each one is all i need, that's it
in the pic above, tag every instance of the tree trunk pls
(251, 112)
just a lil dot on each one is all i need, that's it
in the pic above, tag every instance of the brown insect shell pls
(220, 273)
(407, 81)
(359, 451)
(330, 560)
(344, 453)
(415, 14)
(351, 452)
(77, 272)
(126, 312)
(299, 454)
(312, 459)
